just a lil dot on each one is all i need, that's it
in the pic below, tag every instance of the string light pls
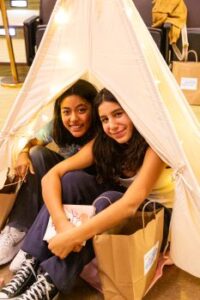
(157, 81)
(55, 89)
(143, 46)
(66, 57)
(22, 142)
(30, 131)
(62, 16)
(129, 11)
(45, 118)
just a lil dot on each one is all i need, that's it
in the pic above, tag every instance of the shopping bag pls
(187, 74)
(8, 195)
(127, 256)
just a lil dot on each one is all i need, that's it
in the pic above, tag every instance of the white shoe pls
(10, 243)
(17, 261)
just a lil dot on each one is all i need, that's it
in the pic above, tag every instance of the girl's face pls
(76, 115)
(116, 123)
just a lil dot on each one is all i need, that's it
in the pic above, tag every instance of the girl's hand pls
(62, 244)
(78, 248)
(23, 165)
(63, 226)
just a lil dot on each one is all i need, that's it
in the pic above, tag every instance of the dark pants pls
(29, 199)
(78, 187)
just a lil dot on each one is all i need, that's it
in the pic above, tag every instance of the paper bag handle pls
(100, 197)
(195, 54)
(185, 45)
(17, 183)
(143, 211)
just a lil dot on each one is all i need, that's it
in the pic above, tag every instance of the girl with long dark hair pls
(71, 128)
(129, 172)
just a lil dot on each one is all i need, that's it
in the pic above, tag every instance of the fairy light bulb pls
(62, 16)
(22, 142)
(129, 12)
(30, 131)
(157, 81)
(142, 46)
(54, 89)
(45, 118)
(66, 57)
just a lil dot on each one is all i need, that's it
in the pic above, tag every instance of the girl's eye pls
(82, 110)
(104, 120)
(118, 114)
(65, 112)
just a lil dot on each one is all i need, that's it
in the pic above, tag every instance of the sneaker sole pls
(9, 258)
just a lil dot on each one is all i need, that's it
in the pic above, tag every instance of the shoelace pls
(40, 288)
(20, 276)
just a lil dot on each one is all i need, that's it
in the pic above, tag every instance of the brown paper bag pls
(8, 195)
(127, 256)
(187, 74)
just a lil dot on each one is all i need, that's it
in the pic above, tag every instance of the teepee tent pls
(108, 43)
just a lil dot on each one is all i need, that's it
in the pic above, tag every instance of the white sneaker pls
(17, 261)
(10, 243)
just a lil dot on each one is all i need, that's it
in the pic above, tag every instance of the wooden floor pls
(175, 283)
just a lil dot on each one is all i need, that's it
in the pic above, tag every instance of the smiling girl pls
(129, 171)
(71, 128)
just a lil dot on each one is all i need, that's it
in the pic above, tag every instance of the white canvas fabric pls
(108, 43)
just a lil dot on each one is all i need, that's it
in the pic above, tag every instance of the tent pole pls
(14, 81)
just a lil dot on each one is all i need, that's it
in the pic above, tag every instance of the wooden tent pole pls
(14, 81)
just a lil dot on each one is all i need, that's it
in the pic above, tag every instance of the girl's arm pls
(51, 184)
(126, 206)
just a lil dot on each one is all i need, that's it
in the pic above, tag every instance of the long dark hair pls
(61, 135)
(112, 158)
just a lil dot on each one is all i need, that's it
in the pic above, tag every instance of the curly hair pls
(61, 135)
(112, 158)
